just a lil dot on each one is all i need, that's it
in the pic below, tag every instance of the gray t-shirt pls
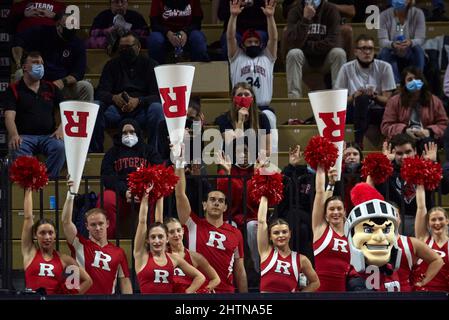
(353, 77)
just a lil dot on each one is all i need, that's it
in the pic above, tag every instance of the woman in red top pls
(280, 266)
(44, 266)
(176, 247)
(432, 228)
(154, 266)
(330, 245)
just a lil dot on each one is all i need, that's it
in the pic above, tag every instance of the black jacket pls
(121, 160)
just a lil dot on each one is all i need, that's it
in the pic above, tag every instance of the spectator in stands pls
(175, 237)
(155, 267)
(298, 184)
(176, 27)
(244, 115)
(45, 268)
(437, 11)
(242, 169)
(64, 55)
(395, 189)
(111, 24)
(31, 106)
(251, 17)
(128, 89)
(219, 242)
(432, 228)
(402, 33)
(347, 11)
(128, 153)
(312, 42)
(415, 111)
(370, 83)
(254, 64)
(330, 244)
(352, 166)
(103, 261)
(29, 13)
(446, 90)
(281, 267)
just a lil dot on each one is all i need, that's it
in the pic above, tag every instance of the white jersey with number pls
(257, 72)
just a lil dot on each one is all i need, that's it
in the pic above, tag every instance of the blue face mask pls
(398, 4)
(414, 85)
(37, 71)
(310, 170)
(316, 3)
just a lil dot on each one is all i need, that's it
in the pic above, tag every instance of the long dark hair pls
(151, 227)
(425, 97)
(40, 222)
(253, 110)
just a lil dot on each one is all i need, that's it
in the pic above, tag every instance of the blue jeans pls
(196, 45)
(238, 36)
(413, 57)
(51, 147)
(110, 117)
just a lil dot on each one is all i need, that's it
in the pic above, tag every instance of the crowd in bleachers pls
(387, 91)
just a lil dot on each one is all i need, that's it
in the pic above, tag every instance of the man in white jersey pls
(254, 64)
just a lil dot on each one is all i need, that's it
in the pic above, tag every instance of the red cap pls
(250, 33)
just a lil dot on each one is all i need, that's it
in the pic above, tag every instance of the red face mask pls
(243, 102)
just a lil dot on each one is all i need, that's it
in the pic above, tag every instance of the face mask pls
(243, 102)
(414, 85)
(310, 170)
(129, 140)
(68, 34)
(37, 71)
(253, 51)
(128, 55)
(352, 167)
(398, 4)
(316, 3)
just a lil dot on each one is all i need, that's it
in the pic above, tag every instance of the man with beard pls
(64, 55)
(128, 89)
(252, 63)
(370, 83)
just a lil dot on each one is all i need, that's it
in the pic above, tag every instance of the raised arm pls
(69, 227)
(159, 211)
(139, 238)
(318, 220)
(207, 269)
(235, 8)
(190, 271)
(27, 244)
(262, 229)
(309, 272)
(85, 281)
(433, 259)
(272, 44)
(182, 201)
(421, 211)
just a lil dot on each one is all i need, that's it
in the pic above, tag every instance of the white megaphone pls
(175, 85)
(78, 121)
(329, 110)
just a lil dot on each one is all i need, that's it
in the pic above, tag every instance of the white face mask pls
(129, 140)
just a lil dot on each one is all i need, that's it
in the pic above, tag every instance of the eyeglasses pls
(366, 49)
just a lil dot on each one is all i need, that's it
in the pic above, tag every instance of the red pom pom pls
(28, 172)
(266, 184)
(320, 151)
(162, 178)
(363, 192)
(419, 171)
(377, 166)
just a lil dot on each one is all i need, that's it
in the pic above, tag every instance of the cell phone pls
(125, 97)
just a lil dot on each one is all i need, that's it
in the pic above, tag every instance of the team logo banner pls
(175, 86)
(329, 110)
(78, 121)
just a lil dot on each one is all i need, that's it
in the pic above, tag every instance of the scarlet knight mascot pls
(372, 229)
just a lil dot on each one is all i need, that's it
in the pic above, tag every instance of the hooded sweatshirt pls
(315, 37)
(121, 160)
